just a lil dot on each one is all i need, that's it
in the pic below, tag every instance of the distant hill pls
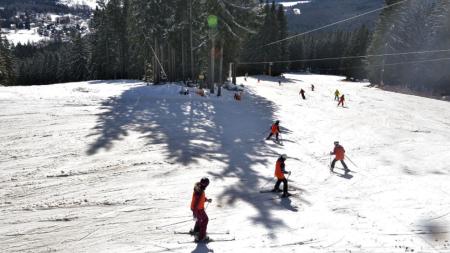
(317, 13)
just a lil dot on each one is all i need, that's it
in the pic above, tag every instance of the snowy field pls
(23, 36)
(109, 166)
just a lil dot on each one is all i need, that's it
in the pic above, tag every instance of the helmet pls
(204, 181)
(336, 143)
(277, 121)
(284, 156)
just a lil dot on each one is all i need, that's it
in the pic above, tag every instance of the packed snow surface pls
(109, 166)
(290, 4)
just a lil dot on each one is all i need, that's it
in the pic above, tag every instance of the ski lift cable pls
(335, 23)
(388, 64)
(349, 57)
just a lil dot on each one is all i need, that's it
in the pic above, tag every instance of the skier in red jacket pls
(198, 210)
(341, 101)
(339, 153)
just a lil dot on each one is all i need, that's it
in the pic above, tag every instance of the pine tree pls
(378, 43)
(283, 33)
(78, 60)
(7, 75)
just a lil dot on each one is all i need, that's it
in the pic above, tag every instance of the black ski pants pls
(343, 164)
(285, 185)
(270, 135)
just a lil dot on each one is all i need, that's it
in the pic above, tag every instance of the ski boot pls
(204, 240)
(285, 195)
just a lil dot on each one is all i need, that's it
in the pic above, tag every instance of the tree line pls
(172, 40)
(413, 26)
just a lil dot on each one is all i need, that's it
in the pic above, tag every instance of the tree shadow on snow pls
(202, 248)
(192, 127)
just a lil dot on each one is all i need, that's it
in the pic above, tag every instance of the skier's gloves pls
(289, 172)
(209, 200)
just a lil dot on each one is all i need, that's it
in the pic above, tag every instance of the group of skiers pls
(337, 95)
(199, 198)
(338, 98)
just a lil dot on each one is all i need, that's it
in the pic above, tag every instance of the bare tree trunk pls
(162, 60)
(191, 43)
(183, 69)
(221, 64)
(156, 68)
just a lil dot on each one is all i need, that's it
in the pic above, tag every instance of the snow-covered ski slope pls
(110, 167)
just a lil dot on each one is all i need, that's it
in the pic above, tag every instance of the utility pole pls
(382, 66)
(234, 73)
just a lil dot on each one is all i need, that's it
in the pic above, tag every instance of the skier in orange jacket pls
(279, 174)
(198, 210)
(274, 130)
(339, 153)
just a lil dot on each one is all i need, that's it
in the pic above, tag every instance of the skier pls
(279, 83)
(341, 101)
(302, 92)
(275, 129)
(237, 96)
(198, 210)
(336, 95)
(339, 153)
(312, 87)
(279, 174)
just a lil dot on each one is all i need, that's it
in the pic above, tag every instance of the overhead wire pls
(349, 57)
(389, 64)
(334, 23)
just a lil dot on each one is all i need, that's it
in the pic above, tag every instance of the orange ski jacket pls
(279, 169)
(198, 198)
(275, 128)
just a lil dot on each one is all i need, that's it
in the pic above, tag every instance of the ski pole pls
(176, 223)
(268, 181)
(329, 165)
(351, 161)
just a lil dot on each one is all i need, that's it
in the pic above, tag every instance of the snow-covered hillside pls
(90, 3)
(23, 36)
(110, 167)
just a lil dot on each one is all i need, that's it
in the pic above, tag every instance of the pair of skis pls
(218, 239)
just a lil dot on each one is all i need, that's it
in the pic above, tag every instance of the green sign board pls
(212, 21)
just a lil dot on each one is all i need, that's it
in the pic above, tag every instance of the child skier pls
(198, 210)
(274, 130)
(302, 92)
(339, 153)
(279, 174)
(341, 101)
(336, 95)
